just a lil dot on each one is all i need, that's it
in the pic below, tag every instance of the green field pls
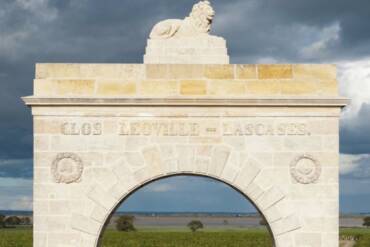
(361, 235)
(178, 238)
(252, 238)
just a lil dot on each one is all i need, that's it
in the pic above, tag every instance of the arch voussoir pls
(248, 173)
(269, 198)
(219, 159)
(86, 225)
(102, 197)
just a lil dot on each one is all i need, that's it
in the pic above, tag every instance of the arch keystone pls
(220, 156)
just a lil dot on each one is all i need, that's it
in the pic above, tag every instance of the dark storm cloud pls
(355, 134)
(116, 31)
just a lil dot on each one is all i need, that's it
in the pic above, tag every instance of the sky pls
(115, 31)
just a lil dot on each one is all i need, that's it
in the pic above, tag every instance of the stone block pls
(289, 87)
(64, 239)
(185, 71)
(40, 239)
(186, 156)
(276, 71)
(43, 87)
(270, 198)
(329, 88)
(221, 72)
(156, 71)
(111, 88)
(202, 164)
(159, 88)
(171, 165)
(84, 224)
(249, 172)
(41, 143)
(193, 87)
(49, 70)
(229, 173)
(220, 157)
(101, 197)
(253, 191)
(308, 239)
(75, 87)
(246, 72)
(46, 126)
(59, 207)
(263, 87)
(313, 72)
(273, 214)
(105, 177)
(227, 88)
(286, 225)
(99, 214)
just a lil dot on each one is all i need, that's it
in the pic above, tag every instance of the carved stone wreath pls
(305, 169)
(67, 168)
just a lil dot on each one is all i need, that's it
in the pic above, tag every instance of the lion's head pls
(202, 16)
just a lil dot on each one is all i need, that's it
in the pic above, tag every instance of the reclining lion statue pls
(197, 23)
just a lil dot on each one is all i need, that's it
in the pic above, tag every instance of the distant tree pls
(366, 222)
(263, 222)
(12, 221)
(26, 221)
(125, 223)
(195, 225)
(2, 221)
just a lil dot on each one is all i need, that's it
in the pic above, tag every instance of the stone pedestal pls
(102, 131)
(202, 49)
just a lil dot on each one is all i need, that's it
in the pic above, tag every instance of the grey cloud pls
(116, 31)
(360, 169)
(355, 133)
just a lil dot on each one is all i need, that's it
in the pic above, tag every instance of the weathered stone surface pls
(275, 71)
(193, 87)
(109, 88)
(132, 124)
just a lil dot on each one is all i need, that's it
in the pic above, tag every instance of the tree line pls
(126, 223)
(13, 221)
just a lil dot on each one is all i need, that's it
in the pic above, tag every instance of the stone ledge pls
(216, 102)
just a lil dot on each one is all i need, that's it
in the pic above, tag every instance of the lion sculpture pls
(198, 23)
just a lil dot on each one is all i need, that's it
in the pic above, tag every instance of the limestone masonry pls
(187, 41)
(103, 130)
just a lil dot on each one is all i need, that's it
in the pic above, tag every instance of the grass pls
(361, 235)
(16, 237)
(177, 237)
(182, 238)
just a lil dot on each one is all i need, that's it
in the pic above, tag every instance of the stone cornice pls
(189, 102)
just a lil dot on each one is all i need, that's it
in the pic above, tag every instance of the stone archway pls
(102, 131)
(172, 174)
(270, 201)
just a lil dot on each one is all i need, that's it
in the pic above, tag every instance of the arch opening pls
(254, 212)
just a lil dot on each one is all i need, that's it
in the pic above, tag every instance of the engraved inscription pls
(86, 129)
(67, 168)
(262, 129)
(305, 169)
(176, 128)
(160, 128)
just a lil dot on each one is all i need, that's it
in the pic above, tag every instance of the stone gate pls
(103, 130)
